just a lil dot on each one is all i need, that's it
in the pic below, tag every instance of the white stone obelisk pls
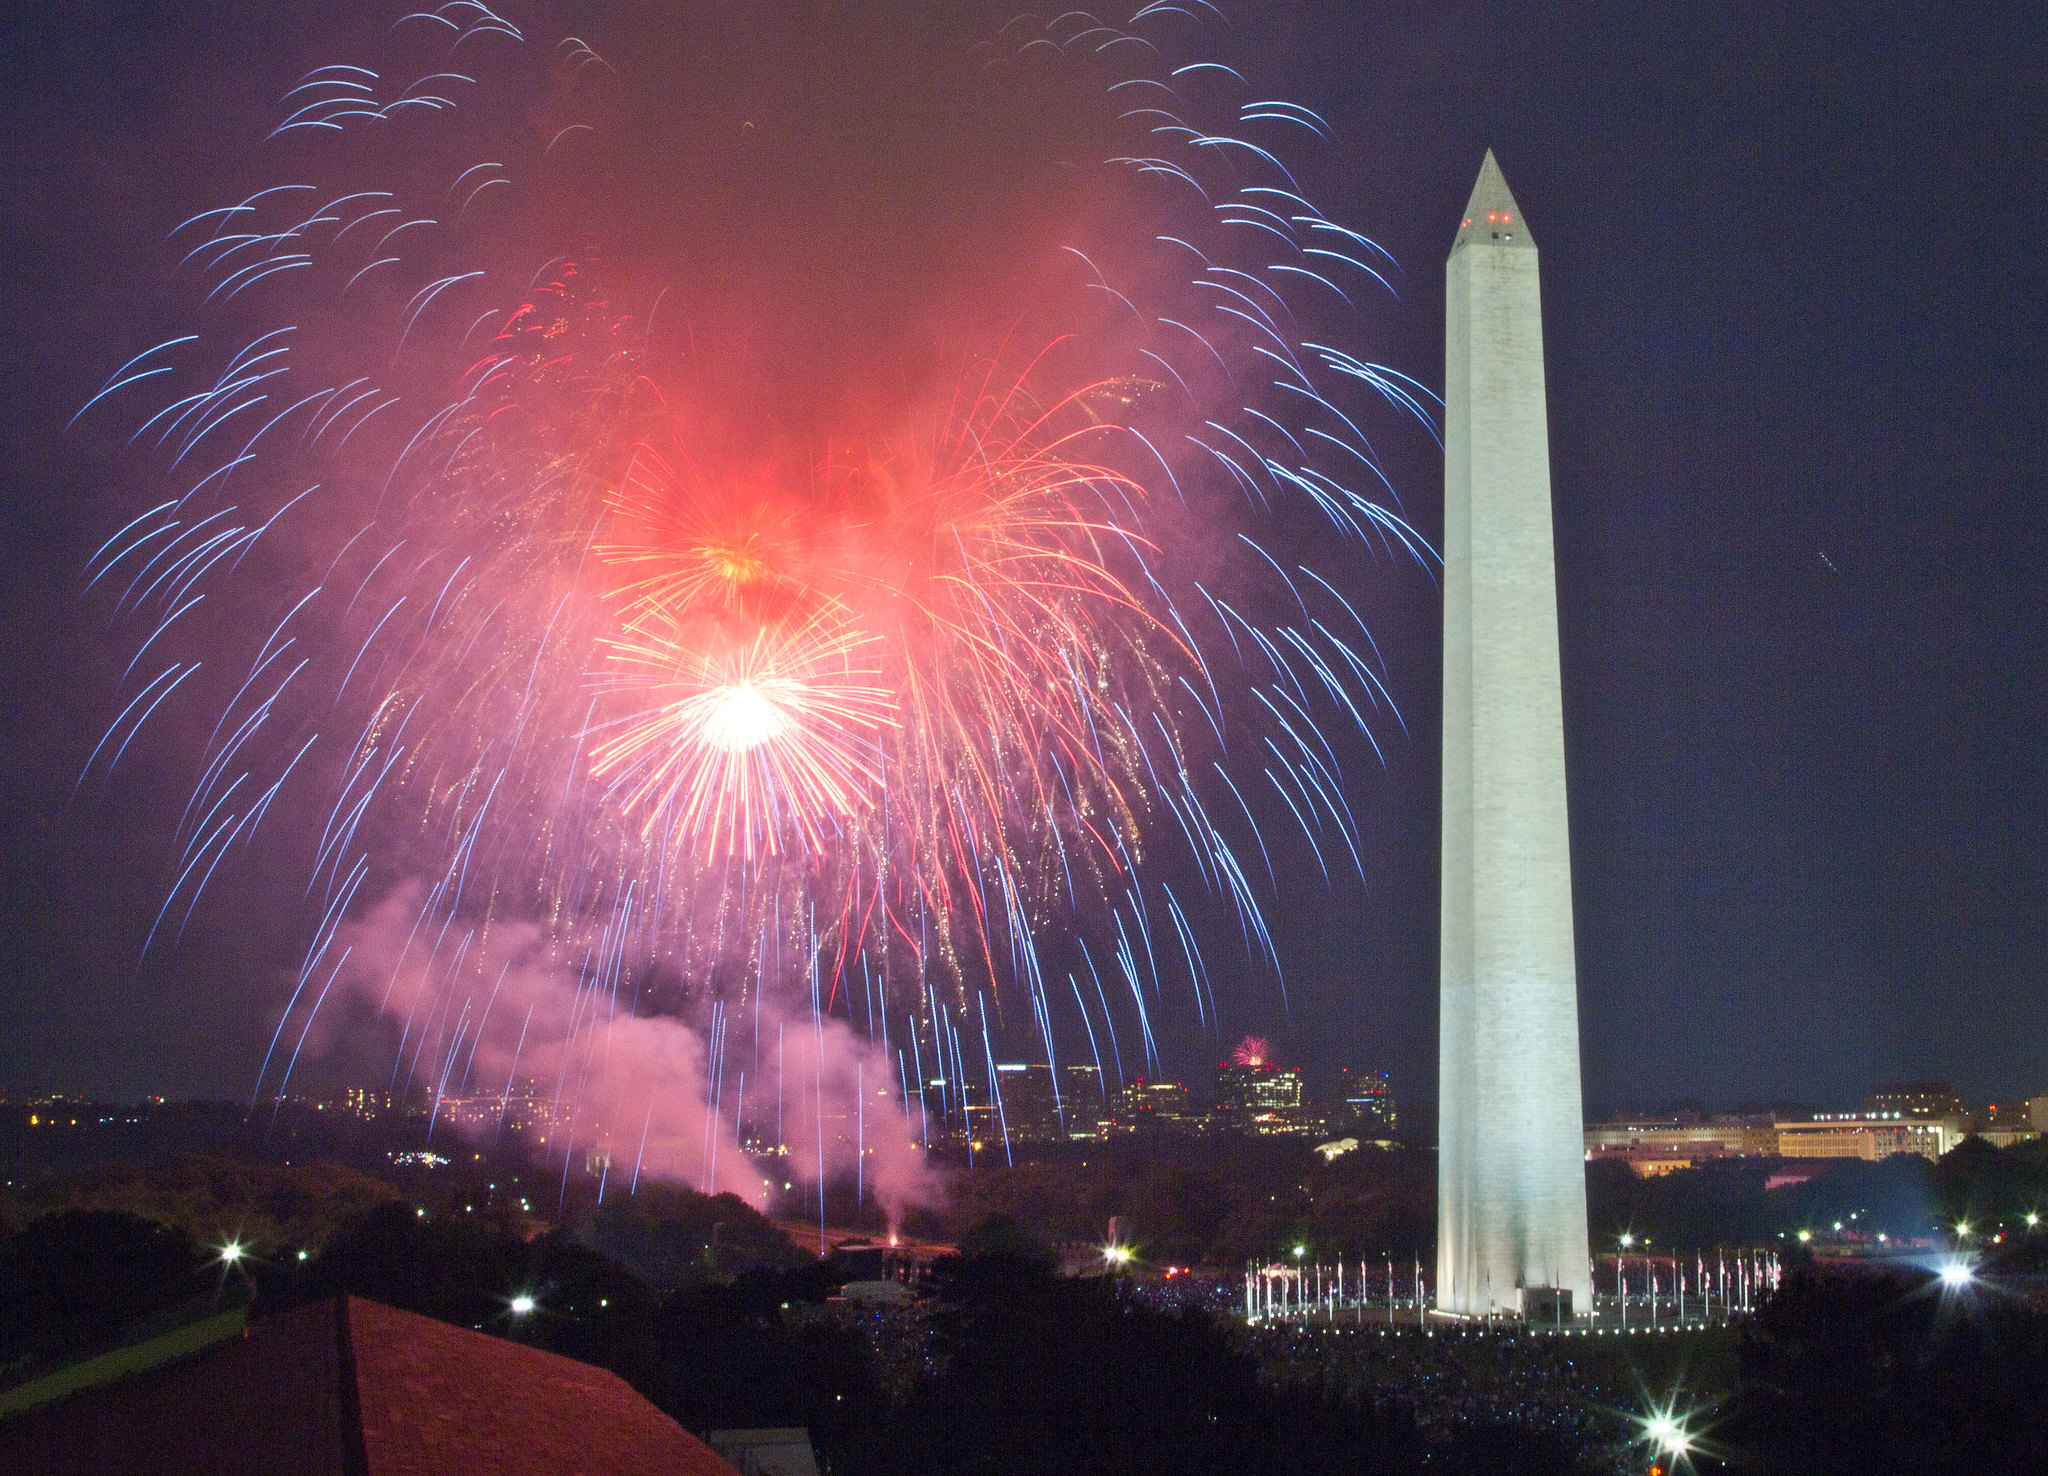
(1511, 1183)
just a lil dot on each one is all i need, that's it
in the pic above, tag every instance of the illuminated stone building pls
(1870, 1135)
(1662, 1145)
(1915, 1099)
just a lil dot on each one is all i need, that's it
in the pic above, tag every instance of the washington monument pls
(1511, 1181)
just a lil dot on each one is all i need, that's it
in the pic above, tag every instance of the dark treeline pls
(1014, 1369)
(63, 1137)
(1005, 1366)
(1225, 1201)
(1216, 1201)
(1854, 1372)
(1727, 1202)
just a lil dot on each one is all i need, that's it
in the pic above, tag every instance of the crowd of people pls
(1453, 1381)
(1450, 1377)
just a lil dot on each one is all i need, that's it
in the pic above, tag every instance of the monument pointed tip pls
(1492, 216)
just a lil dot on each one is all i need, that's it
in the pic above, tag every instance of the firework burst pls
(582, 649)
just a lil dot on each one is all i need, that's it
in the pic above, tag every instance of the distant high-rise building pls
(1364, 1107)
(367, 1101)
(2002, 1124)
(1915, 1099)
(1039, 1106)
(1028, 1105)
(1264, 1098)
(1086, 1102)
(1158, 1107)
(957, 1110)
(1511, 1180)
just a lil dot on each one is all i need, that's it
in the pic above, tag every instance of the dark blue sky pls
(1796, 352)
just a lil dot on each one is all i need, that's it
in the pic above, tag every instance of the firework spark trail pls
(613, 689)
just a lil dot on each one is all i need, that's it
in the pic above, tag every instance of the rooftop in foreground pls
(349, 1387)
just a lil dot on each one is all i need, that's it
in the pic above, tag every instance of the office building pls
(1363, 1107)
(1661, 1145)
(1265, 1099)
(1870, 1135)
(1914, 1099)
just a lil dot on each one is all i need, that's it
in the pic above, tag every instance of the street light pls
(522, 1305)
(231, 1253)
(1627, 1239)
(1665, 1432)
(1668, 1435)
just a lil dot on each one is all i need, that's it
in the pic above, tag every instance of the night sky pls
(1796, 351)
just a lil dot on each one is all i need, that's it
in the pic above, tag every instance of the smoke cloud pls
(624, 1091)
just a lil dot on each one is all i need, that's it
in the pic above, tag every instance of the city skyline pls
(1800, 677)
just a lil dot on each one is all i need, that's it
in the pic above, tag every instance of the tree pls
(1851, 1372)
(74, 1278)
(665, 1234)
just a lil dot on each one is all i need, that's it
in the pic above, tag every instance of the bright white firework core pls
(741, 717)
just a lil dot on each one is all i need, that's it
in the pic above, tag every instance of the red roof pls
(355, 1388)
